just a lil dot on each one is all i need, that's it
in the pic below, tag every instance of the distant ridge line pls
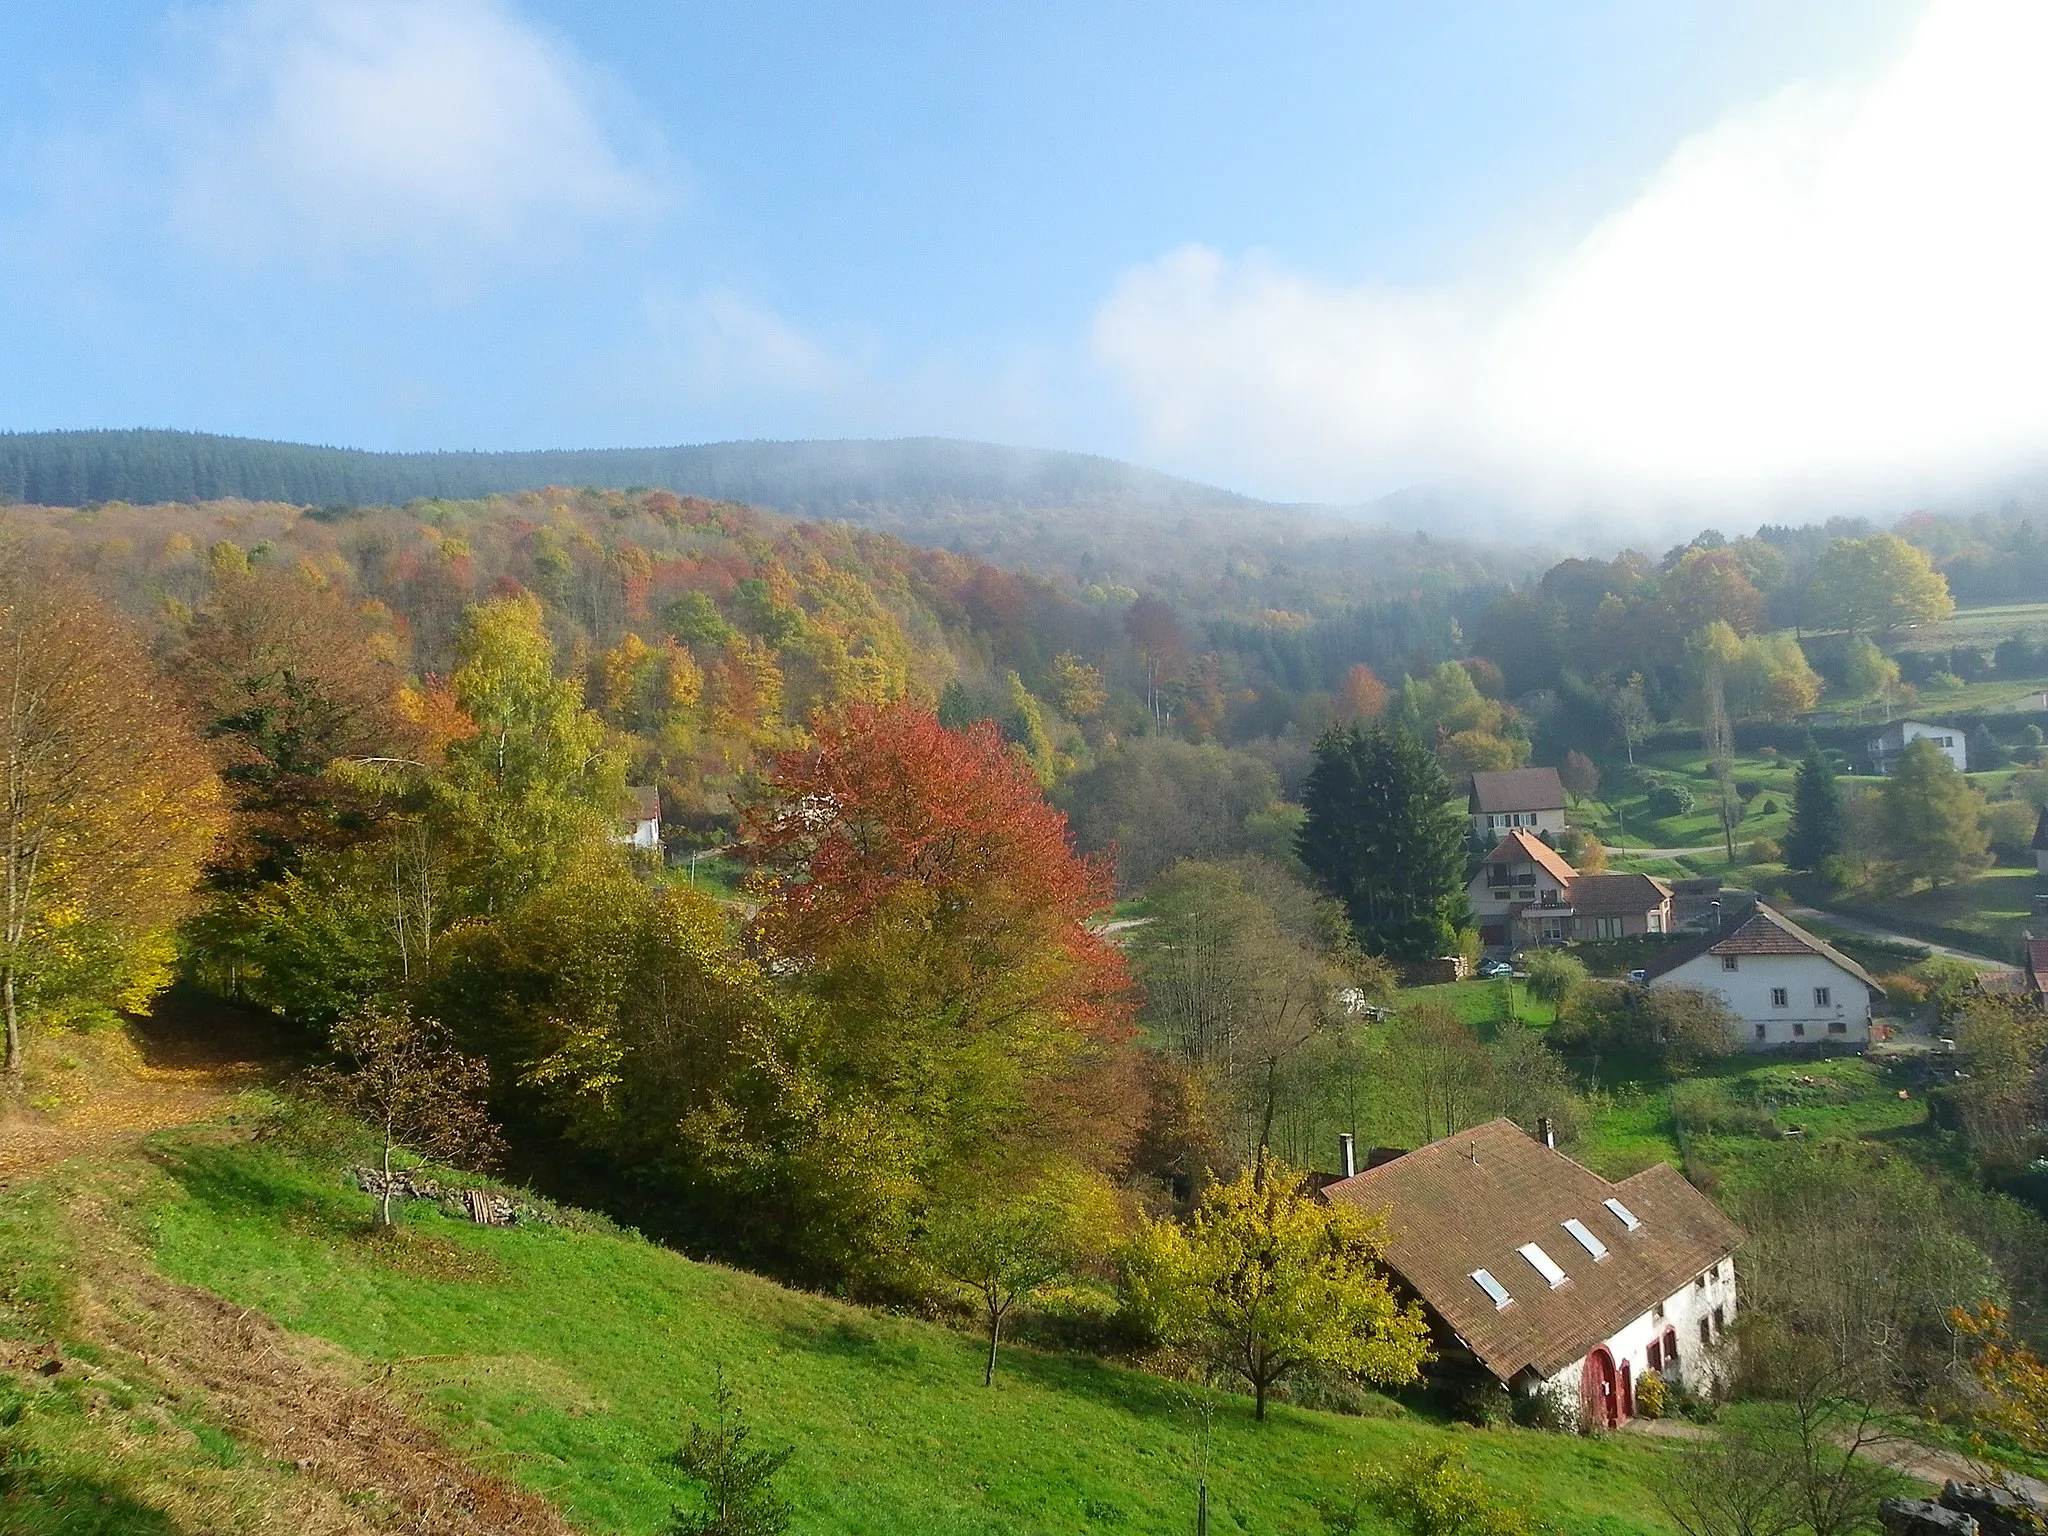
(816, 478)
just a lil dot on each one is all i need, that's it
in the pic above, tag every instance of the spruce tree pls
(1383, 837)
(1818, 823)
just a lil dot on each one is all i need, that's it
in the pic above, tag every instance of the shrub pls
(1749, 789)
(1770, 807)
(1669, 800)
(1944, 680)
(1650, 1395)
(1769, 754)
(1763, 850)
(1548, 1408)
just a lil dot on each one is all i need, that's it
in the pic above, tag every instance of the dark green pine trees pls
(1383, 837)
(1818, 824)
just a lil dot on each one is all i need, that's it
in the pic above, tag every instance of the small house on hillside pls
(2041, 844)
(1522, 893)
(1887, 744)
(1782, 985)
(642, 825)
(1531, 799)
(1549, 1277)
(1620, 906)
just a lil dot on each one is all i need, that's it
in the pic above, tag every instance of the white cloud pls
(1839, 283)
(433, 128)
(720, 344)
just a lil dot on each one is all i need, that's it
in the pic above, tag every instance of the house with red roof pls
(1781, 985)
(1547, 1276)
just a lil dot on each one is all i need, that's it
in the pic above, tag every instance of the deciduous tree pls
(109, 809)
(1880, 583)
(1932, 819)
(1264, 1282)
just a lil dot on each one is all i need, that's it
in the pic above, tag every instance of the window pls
(1838, 1026)
(1655, 1355)
(1623, 1214)
(1586, 1239)
(1495, 1291)
(1822, 997)
(1658, 1312)
(1720, 1320)
(1699, 1282)
(1706, 1336)
(1656, 922)
(1730, 963)
(1781, 997)
(1543, 1264)
(1759, 1031)
(1799, 1028)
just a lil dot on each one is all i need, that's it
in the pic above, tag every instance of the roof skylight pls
(1623, 1214)
(1543, 1264)
(1495, 1291)
(1586, 1239)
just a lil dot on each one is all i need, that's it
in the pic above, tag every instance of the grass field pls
(572, 1360)
(1980, 626)
(1482, 1003)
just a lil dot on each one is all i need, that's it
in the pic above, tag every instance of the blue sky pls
(1310, 250)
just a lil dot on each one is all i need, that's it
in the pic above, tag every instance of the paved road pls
(1873, 930)
(1660, 853)
(1930, 1463)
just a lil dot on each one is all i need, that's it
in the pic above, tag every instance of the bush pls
(1669, 800)
(1763, 850)
(1749, 789)
(1547, 1409)
(1650, 1395)
(1770, 807)
(1944, 680)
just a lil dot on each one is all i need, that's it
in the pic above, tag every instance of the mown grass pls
(1482, 1003)
(572, 1360)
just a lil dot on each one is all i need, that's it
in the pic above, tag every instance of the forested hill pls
(816, 479)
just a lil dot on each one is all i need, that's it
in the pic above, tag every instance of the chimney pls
(1546, 1132)
(1347, 1153)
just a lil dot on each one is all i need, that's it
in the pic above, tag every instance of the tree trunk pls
(1259, 1398)
(13, 1023)
(384, 1201)
(995, 1333)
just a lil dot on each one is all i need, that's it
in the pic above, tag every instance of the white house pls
(1521, 893)
(1549, 1277)
(1782, 985)
(642, 826)
(1886, 746)
(1528, 798)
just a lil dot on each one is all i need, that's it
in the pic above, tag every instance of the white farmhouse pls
(642, 827)
(1549, 1277)
(1782, 985)
(1529, 798)
(1886, 746)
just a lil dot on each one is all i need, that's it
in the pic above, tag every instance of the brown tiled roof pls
(1520, 845)
(2041, 832)
(1472, 1200)
(646, 802)
(2003, 983)
(1608, 895)
(2037, 963)
(1517, 789)
(1767, 933)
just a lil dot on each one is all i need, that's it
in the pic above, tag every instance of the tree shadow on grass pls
(35, 1498)
(228, 1179)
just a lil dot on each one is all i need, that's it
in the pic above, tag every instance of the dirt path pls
(1930, 1464)
(184, 1067)
(1876, 931)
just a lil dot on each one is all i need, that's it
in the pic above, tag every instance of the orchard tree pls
(398, 1072)
(1004, 1246)
(1932, 818)
(111, 807)
(1383, 837)
(1819, 823)
(1579, 776)
(1264, 1282)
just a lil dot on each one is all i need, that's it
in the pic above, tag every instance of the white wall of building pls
(1946, 737)
(1682, 1312)
(1498, 824)
(1750, 993)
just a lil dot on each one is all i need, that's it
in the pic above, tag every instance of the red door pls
(1599, 1389)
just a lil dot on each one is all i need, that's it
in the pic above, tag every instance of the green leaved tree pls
(1932, 819)
(1383, 836)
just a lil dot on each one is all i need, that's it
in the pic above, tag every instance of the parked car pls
(1495, 968)
(1638, 977)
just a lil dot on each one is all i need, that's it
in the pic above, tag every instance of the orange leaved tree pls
(962, 1025)
(108, 810)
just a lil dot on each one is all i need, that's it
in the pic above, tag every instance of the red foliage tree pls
(936, 906)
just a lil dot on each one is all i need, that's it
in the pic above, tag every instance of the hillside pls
(200, 1334)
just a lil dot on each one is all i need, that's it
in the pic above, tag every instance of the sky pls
(1677, 248)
